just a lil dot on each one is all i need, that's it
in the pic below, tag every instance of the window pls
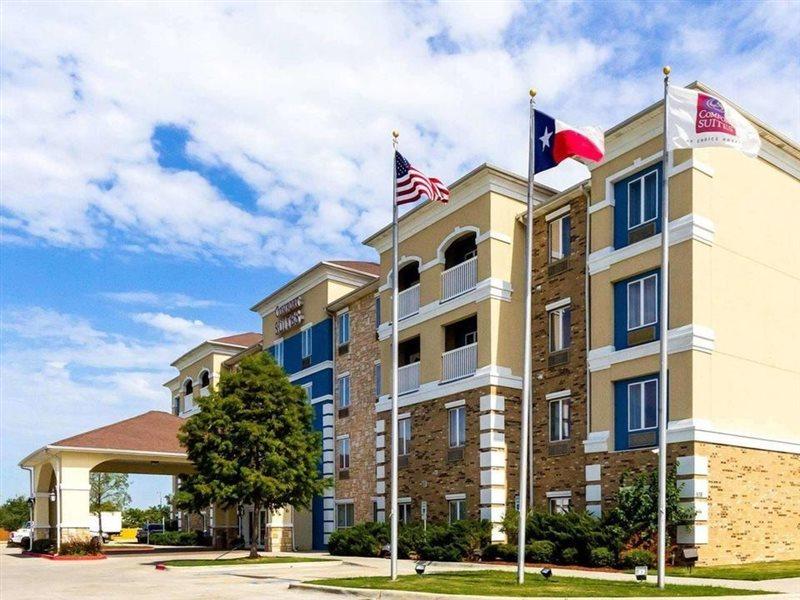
(344, 453)
(559, 505)
(344, 328)
(559, 323)
(308, 388)
(205, 379)
(376, 511)
(558, 239)
(277, 352)
(642, 405)
(458, 510)
(176, 405)
(377, 312)
(345, 515)
(470, 337)
(404, 512)
(403, 436)
(188, 387)
(642, 199)
(559, 419)
(306, 342)
(642, 302)
(377, 380)
(458, 427)
(344, 391)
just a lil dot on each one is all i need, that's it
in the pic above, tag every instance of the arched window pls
(205, 379)
(188, 387)
(460, 250)
(408, 275)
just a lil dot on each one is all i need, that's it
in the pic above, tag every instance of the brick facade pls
(359, 423)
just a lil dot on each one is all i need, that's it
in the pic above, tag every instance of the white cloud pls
(159, 299)
(187, 330)
(299, 100)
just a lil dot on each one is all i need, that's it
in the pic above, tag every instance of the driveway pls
(123, 577)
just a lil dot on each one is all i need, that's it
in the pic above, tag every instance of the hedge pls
(636, 558)
(81, 547)
(175, 538)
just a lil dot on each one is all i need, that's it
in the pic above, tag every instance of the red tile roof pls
(241, 339)
(359, 265)
(153, 431)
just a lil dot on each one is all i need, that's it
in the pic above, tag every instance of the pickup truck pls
(22, 536)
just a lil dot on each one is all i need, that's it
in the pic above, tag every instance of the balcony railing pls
(459, 362)
(408, 301)
(408, 378)
(188, 402)
(460, 279)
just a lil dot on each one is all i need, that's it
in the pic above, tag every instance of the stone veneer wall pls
(559, 467)
(753, 505)
(359, 361)
(482, 476)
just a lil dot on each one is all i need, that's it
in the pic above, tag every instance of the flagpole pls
(395, 353)
(525, 400)
(663, 332)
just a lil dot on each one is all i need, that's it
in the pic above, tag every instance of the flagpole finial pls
(666, 70)
(395, 134)
(532, 92)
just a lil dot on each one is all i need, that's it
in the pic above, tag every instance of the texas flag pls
(554, 141)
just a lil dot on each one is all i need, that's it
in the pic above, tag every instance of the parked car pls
(143, 535)
(22, 536)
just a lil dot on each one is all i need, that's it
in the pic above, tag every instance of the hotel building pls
(734, 367)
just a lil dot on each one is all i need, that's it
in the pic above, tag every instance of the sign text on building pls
(290, 314)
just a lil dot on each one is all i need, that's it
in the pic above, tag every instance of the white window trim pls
(275, 354)
(641, 401)
(404, 417)
(550, 338)
(455, 404)
(642, 199)
(560, 212)
(461, 496)
(309, 388)
(339, 380)
(561, 402)
(450, 412)
(560, 220)
(558, 394)
(558, 304)
(340, 454)
(310, 333)
(640, 282)
(559, 494)
(339, 317)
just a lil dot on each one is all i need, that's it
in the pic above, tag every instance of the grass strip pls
(757, 571)
(504, 583)
(227, 562)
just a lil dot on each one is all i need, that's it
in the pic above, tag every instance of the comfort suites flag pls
(555, 141)
(696, 119)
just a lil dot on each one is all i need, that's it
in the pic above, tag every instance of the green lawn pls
(757, 571)
(504, 583)
(226, 562)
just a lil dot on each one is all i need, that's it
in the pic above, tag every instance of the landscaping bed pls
(499, 583)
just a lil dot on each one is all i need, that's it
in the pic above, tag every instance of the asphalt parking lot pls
(124, 577)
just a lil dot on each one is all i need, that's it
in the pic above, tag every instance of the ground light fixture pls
(419, 567)
(546, 573)
(640, 572)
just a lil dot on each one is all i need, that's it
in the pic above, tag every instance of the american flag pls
(413, 185)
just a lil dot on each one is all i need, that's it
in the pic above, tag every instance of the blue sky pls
(164, 166)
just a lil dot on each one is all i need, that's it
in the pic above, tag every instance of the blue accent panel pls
(322, 382)
(317, 506)
(621, 203)
(621, 309)
(621, 410)
(321, 347)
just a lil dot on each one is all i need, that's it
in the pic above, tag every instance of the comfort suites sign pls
(289, 314)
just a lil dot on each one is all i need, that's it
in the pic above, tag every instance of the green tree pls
(635, 507)
(108, 491)
(252, 442)
(138, 517)
(14, 513)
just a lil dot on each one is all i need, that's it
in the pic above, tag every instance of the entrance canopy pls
(147, 443)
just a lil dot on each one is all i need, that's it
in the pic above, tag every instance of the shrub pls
(174, 538)
(540, 551)
(602, 557)
(569, 556)
(81, 547)
(361, 540)
(43, 546)
(410, 539)
(504, 552)
(634, 558)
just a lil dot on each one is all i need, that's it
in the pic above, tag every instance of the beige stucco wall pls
(747, 288)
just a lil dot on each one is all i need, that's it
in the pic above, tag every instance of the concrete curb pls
(188, 569)
(401, 594)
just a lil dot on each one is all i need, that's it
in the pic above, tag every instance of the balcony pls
(408, 378)
(408, 302)
(459, 279)
(188, 402)
(459, 362)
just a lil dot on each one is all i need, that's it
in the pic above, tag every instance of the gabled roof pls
(154, 431)
(370, 268)
(240, 339)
